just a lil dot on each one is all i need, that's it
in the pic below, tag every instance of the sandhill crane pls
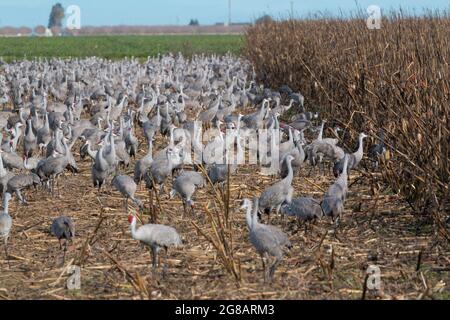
(333, 200)
(16, 132)
(300, 124)
(100, 169)
(280, 109)
(88, 149)
(299, 157)
(207, 115)
(142, 165)
(377, 150)
(22, 181)
(131, 142)
(282, 191)
(11, 160)
(5, 223)
(43, 135)
(267, 240)
(156, 236)
(30, 142)
(185, 185)
(353, 158)
(161, 168)
(127, 187)
(288, 145)
(255, 120)
(52, 167)
(5, 175)
(63, 228)
(109, 153)
(305, 209)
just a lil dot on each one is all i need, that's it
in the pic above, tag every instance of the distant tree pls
(264, 19)
(24, 31)
(194, 22)
(56, 16)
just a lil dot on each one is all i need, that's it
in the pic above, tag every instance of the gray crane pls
(267, 240)
(63, 228)
(142, 165)
(255, 120)
(207, 115)
(131, 142)
(334, 198)
(377, 150)
(11, 160)
(100, 169)
(160, 169)
(353, 158)
(185, 185)
(5, 175)
(22, 181)
(30, 141)
(5, 223)
(127, 187)
(305, 209)
(52, 167)
(156, 236)
(282, 191)
(43, 134)
(299, 157)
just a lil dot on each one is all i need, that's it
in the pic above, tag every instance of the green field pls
(116, 47)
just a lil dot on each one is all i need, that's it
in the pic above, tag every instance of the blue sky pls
(162, 12)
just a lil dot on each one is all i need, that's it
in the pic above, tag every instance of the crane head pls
(131, 218)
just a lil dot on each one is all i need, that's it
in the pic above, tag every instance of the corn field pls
(396, 78)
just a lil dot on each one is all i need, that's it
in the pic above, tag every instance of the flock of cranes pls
(102, 107)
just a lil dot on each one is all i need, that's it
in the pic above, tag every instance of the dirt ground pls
(377, 229)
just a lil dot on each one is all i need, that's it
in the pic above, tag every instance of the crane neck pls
(6, 199)
(90, 151)
(248, 216)
(290, 176)
(255, 214)
(344, 169)
(359, 152)
(3, 171)
(319, 137)
(133, 229)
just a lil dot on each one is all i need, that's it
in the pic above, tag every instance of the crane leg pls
(126, 204)
(164, 272)
(184, 208)
(154, 257)
(277, 211)
(19, 195)
(57, 187)
(264, 267)
(152, 209)
(6, 252)
(64, 254)
(273, 267)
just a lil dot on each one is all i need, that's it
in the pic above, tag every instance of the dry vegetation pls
(218, 262)
(395, 78)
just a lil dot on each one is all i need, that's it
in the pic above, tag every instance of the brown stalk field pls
(395, 217)
(377, 228)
